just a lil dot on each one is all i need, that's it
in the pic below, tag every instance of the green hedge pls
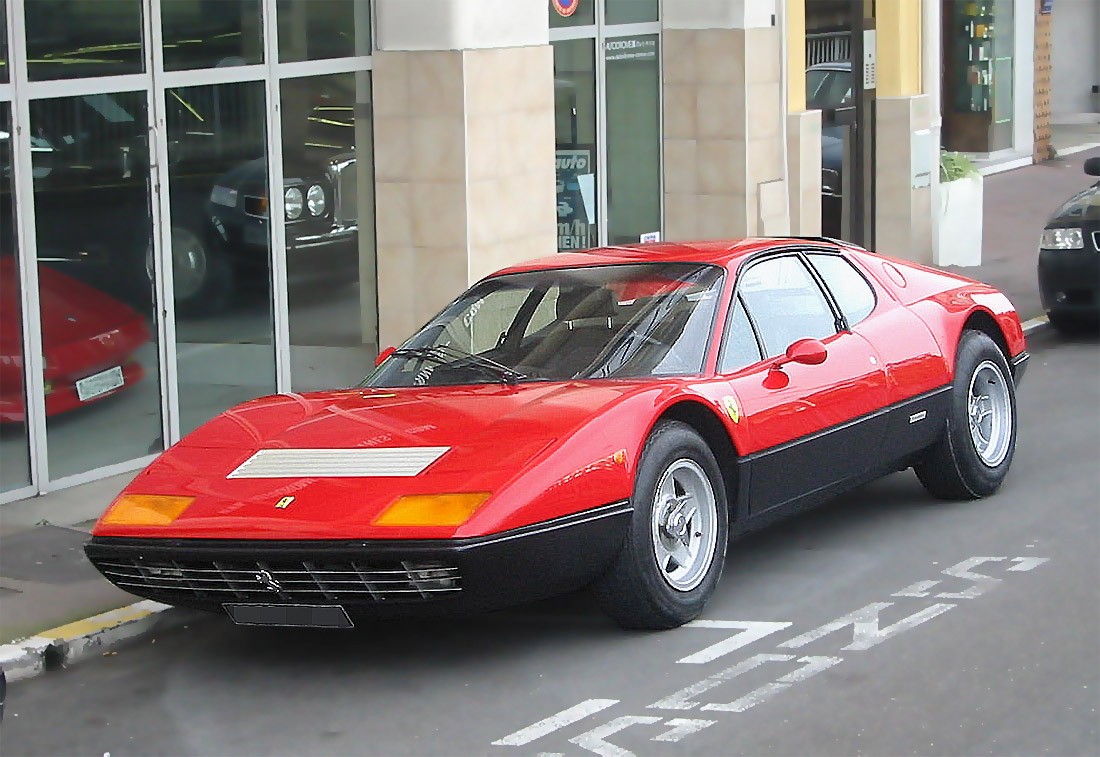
(955, 165)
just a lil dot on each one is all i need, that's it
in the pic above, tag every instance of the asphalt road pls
(960, 629)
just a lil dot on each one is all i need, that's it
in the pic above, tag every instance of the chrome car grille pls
(345, 182)
(298, 582)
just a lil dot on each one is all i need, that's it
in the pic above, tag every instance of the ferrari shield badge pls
(284, 503)
(729, 404)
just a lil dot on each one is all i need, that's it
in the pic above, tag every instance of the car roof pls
(832, 65)
(723, 252)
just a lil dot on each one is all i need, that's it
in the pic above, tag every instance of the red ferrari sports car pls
(88, 342)
(605, 418)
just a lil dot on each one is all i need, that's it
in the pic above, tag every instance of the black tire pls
(953, 469)
(209, 286)
(634, 590)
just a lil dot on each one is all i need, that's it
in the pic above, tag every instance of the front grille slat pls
(288, 581)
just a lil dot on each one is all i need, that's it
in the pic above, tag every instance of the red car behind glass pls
(88, 343)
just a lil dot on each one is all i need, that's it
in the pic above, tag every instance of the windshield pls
(617, 321)
(828, 89)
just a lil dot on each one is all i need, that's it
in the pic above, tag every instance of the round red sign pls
(565, 7)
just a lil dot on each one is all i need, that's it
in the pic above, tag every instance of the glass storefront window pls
(328, 162)
(565, 13)
(211, 33)
(631, 11)
(575, 143)
(68, 39)
(633, 138)
(220, 248)
(15, 470)
(978, 85)
(93, 228)
(319, 29)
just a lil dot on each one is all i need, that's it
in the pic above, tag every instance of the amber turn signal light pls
(431, 509)
(145, 510)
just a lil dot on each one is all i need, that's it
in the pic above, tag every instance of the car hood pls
(482, 438)
(1081, 209)
(71, 311)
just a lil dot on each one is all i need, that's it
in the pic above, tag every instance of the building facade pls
(206, 201)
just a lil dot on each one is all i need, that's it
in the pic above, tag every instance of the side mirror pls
(1092, 166)
(806, 352)
(383, 356)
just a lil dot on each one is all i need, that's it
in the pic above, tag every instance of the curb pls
(75, 641)
(1035, 324)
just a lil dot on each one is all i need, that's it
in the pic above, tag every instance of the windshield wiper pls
(444, 354)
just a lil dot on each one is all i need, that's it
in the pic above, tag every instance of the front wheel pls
(675, 547)
(973, 456)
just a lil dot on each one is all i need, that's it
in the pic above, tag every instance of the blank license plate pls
(297, 616)
(99, 383)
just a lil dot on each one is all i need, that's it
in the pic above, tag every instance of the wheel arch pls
(983, 321)
(708, 425)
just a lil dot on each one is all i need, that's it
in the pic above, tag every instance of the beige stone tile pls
(772, 208)
(721, 216)
(678, 56)
(436, 83)
(720, 111)
(438, 148)
(720, 56)
(765, 109)
(681, 217)
(681, 174)
(483, 146)
(442, 274)
(483, 214)
(390, 83)
(532, 78)
(392, 157)
(438, 214)
(721, 165)
(394, 218)
(765, 160)
(763, 53)
(680, 113)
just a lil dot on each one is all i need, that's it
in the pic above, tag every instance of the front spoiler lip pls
(498, 570)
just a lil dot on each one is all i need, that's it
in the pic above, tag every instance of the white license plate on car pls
(99, 383)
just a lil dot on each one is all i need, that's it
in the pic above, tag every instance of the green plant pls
(955, 165)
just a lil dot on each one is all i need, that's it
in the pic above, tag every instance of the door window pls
(785, 303)
(851, 291)
(739, 346)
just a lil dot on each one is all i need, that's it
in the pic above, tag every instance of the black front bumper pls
(371, 577)
(1069, 280)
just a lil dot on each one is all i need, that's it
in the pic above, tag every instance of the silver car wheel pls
(989, 412)
(684, 524)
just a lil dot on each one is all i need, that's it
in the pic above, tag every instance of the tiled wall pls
(723, 134)
(464, 172)
(903, 215)
(804, 156)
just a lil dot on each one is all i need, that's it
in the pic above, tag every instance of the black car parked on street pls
(1069, 259)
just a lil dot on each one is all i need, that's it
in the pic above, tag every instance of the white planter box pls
(959, 234)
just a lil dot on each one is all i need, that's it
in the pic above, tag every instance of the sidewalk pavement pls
(45, 581)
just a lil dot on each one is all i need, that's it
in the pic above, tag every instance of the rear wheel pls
(676, 544)
(974, 454)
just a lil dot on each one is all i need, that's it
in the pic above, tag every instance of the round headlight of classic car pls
(315, 200)
(292, 201)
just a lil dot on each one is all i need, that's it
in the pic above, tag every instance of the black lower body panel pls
(371, 577)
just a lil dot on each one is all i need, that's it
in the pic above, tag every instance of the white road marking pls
(1028, 563)
(982, 583)
(682, 727)
(750, 631)
(594, 740)
(811, 667)
(681, 700)
(919, 589)
(555, 722)
(865, 627)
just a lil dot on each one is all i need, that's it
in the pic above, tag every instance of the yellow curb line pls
(74, 641)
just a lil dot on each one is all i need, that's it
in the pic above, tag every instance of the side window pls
(739, 347)
(786, 303)
(853, 294)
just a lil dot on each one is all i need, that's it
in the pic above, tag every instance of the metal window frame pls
(600, 32)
